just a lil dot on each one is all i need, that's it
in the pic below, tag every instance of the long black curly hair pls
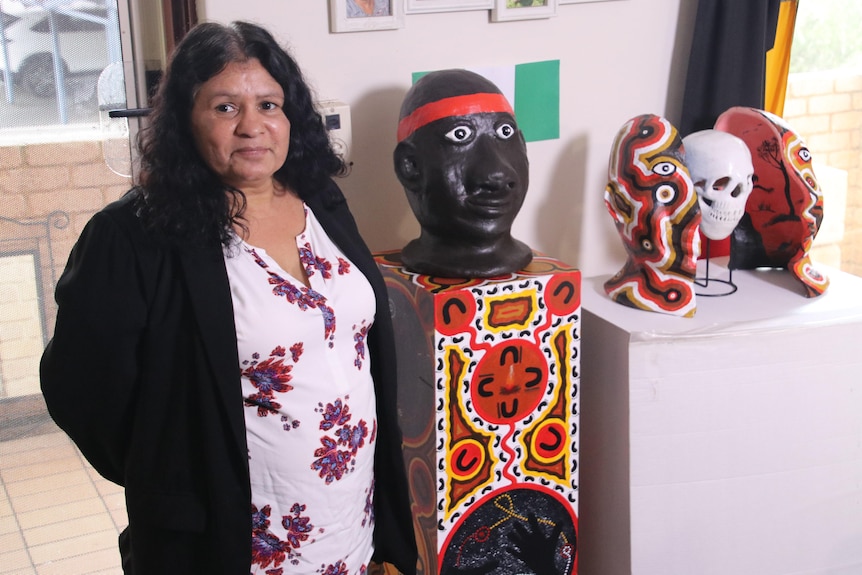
(178, 196)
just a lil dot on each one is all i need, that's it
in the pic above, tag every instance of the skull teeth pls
(722, 216)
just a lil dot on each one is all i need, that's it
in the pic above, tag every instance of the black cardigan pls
(143, 374)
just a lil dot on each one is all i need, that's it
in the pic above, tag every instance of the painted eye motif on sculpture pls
(665, 194)
(664, 169)
(459, 134)
(505, 131)
(804, 155)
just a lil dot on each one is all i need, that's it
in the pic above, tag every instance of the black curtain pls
(727, 66)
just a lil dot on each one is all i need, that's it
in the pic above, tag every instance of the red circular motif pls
(563, 294)
(550, 441)
(482, 534)
(454, 312)
(509, 382)
(466, 459)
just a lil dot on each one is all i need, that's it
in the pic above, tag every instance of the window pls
(56, 514)
(824, 105)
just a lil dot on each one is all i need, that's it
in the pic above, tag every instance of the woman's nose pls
(250, 122)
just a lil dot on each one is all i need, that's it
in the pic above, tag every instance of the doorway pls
(65, 65)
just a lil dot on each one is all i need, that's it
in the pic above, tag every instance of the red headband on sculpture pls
(454, 106)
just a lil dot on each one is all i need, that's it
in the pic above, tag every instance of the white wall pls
(618, 59)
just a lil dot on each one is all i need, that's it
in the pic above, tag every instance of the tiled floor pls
(57, 515)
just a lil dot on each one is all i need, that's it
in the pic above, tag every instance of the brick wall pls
(37, 180)
(826, 110)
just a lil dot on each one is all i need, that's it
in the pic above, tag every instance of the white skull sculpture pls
(723, 175)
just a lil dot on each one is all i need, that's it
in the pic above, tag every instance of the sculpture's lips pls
(490, 201)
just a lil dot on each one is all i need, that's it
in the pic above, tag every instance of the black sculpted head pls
(463, 163)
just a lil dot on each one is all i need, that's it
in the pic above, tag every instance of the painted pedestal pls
(488, 397)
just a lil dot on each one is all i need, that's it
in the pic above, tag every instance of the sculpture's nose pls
(490, 169)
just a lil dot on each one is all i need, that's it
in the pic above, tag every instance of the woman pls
(223, 347)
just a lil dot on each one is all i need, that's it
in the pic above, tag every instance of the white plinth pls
(725, 444)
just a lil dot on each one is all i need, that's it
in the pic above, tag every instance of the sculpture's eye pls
(804, 155)
(459, 134)
(665, 194)
(505, 131)
(664, 168)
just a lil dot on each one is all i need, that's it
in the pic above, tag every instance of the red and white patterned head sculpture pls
(785, 209)
(651, 198)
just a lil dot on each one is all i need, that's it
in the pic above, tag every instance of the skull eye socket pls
(665, 194)
(664, 168)
(720, 184)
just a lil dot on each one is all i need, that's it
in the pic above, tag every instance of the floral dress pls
(309, 407)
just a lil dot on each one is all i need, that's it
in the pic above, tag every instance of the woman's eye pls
(664, 168)
(225, 108)
(505, 131)
(269, 106)
(459, 134)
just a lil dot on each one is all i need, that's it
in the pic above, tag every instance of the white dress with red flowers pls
(309, 407)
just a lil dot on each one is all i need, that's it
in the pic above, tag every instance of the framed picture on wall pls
(364, 15)
(425, 6)
(506, 10)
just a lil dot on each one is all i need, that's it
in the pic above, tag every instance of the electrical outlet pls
(336, 119)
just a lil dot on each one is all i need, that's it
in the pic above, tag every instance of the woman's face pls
(239, 126)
